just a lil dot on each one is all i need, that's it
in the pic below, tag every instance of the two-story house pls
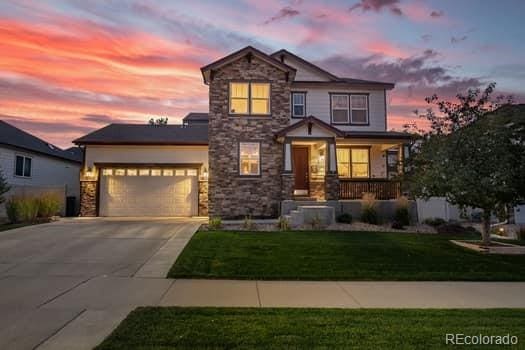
(279, 130)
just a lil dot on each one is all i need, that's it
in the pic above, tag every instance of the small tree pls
(158, 121)
(473, 154)
(4, 186)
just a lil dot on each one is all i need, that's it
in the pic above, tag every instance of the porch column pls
(331, 179)
(401, 159)
(287, 178)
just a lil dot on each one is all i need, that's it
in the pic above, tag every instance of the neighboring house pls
(33, 166)
(279, 129)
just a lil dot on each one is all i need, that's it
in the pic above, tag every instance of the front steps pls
(315, 215)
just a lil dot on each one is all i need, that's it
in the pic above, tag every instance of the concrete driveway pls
(80, 277)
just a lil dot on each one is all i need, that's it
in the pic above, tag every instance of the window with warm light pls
(359, 109)
(155, 172)
(167, 172)
(250, 98)
(107, 172)
(249, 159)
(340, 110)
(180, 172)
(120, 172)
(191, 172)
(132, 172)
(143, 172)
(239, 98)
(353, 162)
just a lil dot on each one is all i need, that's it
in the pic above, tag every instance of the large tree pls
(473, 154)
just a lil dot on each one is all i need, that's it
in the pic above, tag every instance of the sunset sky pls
(69, 67)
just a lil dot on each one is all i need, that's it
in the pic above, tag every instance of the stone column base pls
(287, 185)
(88, 198)
(331, 187)
(203, 198)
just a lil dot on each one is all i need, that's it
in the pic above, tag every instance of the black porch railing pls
(382, 188)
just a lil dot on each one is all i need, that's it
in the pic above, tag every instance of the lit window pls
(239, 98)
(250, 98)
(155, 172)
(359, 107)
(340, 112)
(353, 162)
(191, 172)
(167, 172)
(132, 172)
(107, 172)
(298, 104)
(179, 172)
(120, 172)
(249, 158)
(260, 98)
(143, 172)
(23, 166)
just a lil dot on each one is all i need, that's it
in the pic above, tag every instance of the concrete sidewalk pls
(95, 307)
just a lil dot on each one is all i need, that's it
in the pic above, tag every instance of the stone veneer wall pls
(331, 187)
(287, 185)
(317, 189)
(88, 198)
(230, 195)
(203, 198)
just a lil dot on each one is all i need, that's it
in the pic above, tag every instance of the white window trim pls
(359, 109)
(347, 109)
(299, 104)
(249, 98)
(24, 157)
(258, 163)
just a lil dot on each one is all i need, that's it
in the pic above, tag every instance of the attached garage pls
(148, 192)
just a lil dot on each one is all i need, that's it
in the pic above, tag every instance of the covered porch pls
(323, 163)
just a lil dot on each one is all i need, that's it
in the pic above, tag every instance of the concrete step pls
(320, 214)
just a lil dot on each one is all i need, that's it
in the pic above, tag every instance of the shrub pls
(521, 233)
(369, 213)
(397, 225)
(48, 205)
(402, 215)
(454, 228)
(434, 221)
(345, 218)
(283, 224)
(22, 209)
(215, 223)
(248, 223)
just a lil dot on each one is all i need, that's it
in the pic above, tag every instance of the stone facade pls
(331, 187)
(317, 188)
(287, 185)
(203, 198)
(231, 195)
(88, 198)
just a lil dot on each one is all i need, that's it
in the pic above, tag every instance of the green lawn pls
(248, 328)
(339, 256)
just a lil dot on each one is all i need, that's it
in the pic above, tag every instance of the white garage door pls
(148, 192)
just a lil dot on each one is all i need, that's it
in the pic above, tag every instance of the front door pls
(300, 169)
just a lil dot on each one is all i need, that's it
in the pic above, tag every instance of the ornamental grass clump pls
(215, 223)
(369, 212)
(48, 205)
(401, 215)
(22, 209)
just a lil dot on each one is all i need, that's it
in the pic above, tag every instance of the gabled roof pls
(248, 50)
(279, 54)
(15, 137)
(144, 134)
(310, 120)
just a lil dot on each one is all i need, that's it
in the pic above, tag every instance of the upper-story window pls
(23, 166)
(340, 110)
(359, 107)
(250, 98)
(298, 104)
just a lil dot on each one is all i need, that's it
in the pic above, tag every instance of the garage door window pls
(132, 172)
(143, 172)
(107, 172)
(120, 172)
(155, 172)
(192, 172)
(167, 172)
(179, 172)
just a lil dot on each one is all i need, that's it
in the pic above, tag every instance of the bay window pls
(249, 158)
(353, 162)
(250, 98)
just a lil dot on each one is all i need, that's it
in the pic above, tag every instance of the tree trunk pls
(486, 228)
